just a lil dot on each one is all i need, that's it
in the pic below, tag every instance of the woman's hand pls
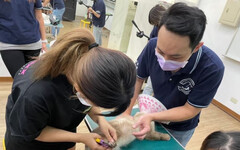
(107, 129)
(144, 123)
(90, 141)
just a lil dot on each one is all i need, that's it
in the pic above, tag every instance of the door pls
(70, 10)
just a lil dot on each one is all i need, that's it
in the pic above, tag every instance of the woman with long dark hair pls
(51, 96)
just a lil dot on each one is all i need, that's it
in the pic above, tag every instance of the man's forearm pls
(96, 14)
(176, 114)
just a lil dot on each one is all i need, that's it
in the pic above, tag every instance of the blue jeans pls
(59, 14)
(183, 137)
(97, 33)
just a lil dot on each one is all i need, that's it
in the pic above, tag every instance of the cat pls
(124, 129)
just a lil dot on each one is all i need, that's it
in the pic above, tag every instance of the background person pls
(98, 11)
(154, 18)
(52, 95)
(155, 15)
(58, 11)
(22, 32)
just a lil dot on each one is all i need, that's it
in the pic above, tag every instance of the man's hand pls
(144, 123)
(90, 10)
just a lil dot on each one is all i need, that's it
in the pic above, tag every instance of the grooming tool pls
(106, 144)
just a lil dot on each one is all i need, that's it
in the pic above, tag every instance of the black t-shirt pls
(33, 105)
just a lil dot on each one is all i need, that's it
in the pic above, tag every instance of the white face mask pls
(82, 100)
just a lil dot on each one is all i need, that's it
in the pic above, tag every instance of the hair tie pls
(92, 46)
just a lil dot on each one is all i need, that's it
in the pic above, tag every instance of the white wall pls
(3, 70)
(118, 23)
(137, 44)
(218, 37)
(109, 10)
(81, 10)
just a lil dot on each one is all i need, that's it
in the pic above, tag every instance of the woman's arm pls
(51, 134)
(104, 126)
(93, 114)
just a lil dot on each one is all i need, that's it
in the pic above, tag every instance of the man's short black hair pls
(186, 21)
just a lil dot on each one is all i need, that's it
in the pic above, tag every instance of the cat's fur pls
(124, 129)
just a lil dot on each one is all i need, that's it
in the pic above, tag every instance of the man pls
(185, 74)
(98, 11)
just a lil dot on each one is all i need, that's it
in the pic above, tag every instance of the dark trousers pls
(15, 59)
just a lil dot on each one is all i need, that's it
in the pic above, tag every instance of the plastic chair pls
(4, 147)
(85, 23)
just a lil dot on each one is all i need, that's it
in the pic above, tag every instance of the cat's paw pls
(165, 137)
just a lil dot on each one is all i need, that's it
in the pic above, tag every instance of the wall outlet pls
(234, 100)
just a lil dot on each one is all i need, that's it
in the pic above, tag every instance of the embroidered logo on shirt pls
(186, 85)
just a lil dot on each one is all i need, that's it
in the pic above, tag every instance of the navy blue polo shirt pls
(100, 8)
(196, 83)
(154, 32)
(18, 24)
(57, 4)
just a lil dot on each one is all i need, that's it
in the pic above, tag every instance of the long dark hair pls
(186, 21)
(107, 78)
(222, 141)
(64, 54)
(156, 13)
